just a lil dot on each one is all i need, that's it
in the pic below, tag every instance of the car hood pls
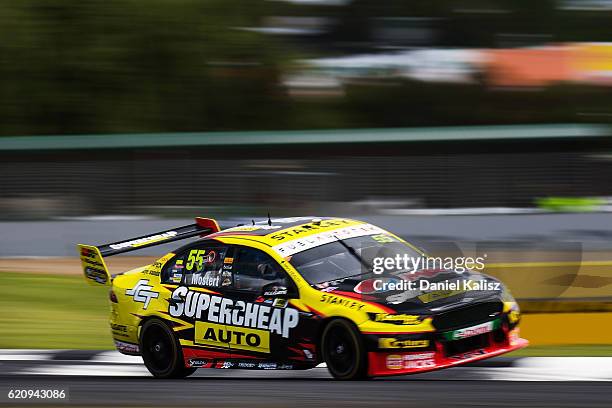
(430, 292)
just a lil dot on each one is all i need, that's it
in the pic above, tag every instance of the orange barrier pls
(567, 328)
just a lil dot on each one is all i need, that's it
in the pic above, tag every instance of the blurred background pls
(468, 127)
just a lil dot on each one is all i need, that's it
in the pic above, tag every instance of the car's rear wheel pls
(161, 351)
(343, 351)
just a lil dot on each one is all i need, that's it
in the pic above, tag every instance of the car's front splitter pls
(402, 362)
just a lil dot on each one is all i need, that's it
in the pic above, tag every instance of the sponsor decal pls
(280, 303)
(307, 228)
(397, 318)
(162, 261)
(210, 258)
(395, 362)
(226, 278)
(336, 300)
(252, 228)
(96, 274)
(118, 327)
(410, 361)
(308, 354)
(393, 343)
(262, 365)
(227, 364)
(142, 292)
(217, 309)
(91, 255)
(311, 241)
(206, 279)
(93, 266)
(420, 360)
(276, 291)
(119, 330)
(228, 260)
(124, 347)
(196, 362)
(439, 294)
(144, 240)
(473, 330)
(151, 272)
(219, 335)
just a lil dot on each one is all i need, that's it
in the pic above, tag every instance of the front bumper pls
(400, 362)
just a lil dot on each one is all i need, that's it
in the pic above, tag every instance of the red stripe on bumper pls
(400, 363)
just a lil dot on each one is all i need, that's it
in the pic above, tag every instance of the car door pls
(199, 270)
(274, 330)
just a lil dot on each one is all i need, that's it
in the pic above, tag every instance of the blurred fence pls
(336, 171)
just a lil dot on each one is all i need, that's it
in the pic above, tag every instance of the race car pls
(293, 293)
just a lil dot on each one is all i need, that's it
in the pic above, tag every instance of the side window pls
(254, 270)
(200, 265)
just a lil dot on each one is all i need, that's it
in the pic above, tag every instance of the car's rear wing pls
(92, 257)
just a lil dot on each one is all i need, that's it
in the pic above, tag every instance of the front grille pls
(467, 316)
(452, 348)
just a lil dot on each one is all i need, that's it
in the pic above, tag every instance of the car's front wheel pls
(161, 351)
(343, 351)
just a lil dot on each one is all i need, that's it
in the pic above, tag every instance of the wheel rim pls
(340, 350)
(158, 347)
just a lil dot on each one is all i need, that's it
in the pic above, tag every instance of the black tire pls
(343, 351)
(161, 351)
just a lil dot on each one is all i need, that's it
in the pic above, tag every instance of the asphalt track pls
(109, 380)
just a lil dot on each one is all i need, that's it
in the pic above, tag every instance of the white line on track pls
(112, 363)
(87, 370)
(116, 358)
(27, 355)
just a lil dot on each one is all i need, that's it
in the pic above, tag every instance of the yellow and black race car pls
(295, 292)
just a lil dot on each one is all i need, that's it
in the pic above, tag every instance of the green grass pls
(51, 311)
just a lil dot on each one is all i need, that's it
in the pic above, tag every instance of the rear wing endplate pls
(92, 257)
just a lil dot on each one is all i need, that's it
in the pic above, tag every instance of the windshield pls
(335, 261)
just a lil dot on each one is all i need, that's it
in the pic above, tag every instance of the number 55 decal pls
(195, 255)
